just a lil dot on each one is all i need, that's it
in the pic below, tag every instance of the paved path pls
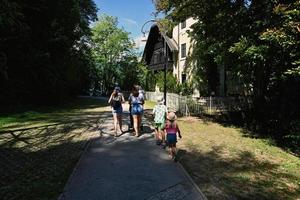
(128, 168)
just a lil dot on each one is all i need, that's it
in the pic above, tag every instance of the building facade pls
(181, 70)
(158, 45)
(178, 48)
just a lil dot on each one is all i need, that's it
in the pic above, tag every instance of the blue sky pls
(131, 14)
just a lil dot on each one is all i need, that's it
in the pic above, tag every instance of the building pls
(182, 39)
(154, 53)
(178, 48)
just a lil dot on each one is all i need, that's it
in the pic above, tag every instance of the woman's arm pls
(109, 100)
(141, 97)
(123, 100)
(129, 99)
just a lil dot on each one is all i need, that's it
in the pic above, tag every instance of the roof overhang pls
(173, 46)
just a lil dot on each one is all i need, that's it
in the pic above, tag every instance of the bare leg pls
(139, 124)
(120, 121)
(115, 123)
(170, 151)
(163, 138)
(173, 151)
(135, 124)
(156, 134)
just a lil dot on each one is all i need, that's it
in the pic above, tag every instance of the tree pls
(114, 57)
(258, 42)
(44, 46)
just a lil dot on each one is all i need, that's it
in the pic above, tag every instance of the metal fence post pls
(209, 104)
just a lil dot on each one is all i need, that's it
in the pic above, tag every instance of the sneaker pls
(164, 146)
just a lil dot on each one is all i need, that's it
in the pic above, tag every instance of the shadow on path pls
(128, 167)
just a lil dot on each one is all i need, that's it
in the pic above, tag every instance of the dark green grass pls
(38, 157)
(227, 165)
(29, 116)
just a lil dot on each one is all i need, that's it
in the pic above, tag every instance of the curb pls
(191, 180)
(87, 145)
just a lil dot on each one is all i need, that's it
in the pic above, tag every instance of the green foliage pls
(172, 85)
(185, 89)
(257, 42)
(133, 72)
(44, 53)
(171, 82)
(113, 56)
(166, 26)
(151, 79)
(293, 137)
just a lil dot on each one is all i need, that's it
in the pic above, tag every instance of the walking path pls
(128, 168)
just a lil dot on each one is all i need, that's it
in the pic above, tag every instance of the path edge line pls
(87, 145)
(191, 180)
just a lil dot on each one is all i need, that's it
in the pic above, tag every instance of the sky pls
(131, 14)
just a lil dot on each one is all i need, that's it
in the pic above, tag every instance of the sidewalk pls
(128, 168)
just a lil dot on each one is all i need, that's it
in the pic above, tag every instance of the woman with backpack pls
(116, 99)
(136, 101)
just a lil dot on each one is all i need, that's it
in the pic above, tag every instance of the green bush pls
(172, 85)
(292, 139)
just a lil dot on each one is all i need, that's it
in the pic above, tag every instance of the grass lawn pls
(39, 154)
(149, 104)
(38, 116)
(226, 164)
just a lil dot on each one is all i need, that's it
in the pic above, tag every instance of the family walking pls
(166, 127)
(136, 109)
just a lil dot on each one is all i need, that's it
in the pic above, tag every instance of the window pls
(162, 57)
(183, 24)
(183, 78)
(155, 58)
(183, 50)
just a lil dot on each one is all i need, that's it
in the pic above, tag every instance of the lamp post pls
(165, 56)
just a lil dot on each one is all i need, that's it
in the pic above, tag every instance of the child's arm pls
(178, 131)
(110, 98)
(153, 111)
(165, 132)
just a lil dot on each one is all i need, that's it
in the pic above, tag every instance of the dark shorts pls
(118, 110)
(171, 138)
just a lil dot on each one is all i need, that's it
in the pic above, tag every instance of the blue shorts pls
(137, 109)
(118, 110)
(171, 138)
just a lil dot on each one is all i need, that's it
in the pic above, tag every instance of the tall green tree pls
(114, 57)
(43, 48)
(111, 45)
(258, 42)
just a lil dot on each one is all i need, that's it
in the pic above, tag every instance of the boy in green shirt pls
(159, 111)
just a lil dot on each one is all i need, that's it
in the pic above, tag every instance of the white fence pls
(209, 105)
